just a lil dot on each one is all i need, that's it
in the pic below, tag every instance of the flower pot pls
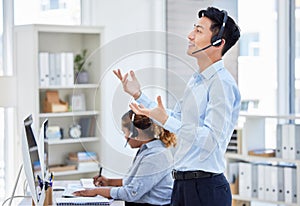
(82, 77)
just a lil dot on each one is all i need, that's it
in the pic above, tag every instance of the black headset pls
(217, 39)
(133, 131)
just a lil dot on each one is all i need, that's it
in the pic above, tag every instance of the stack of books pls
(83, 160)
(88, 125)
(235, 143)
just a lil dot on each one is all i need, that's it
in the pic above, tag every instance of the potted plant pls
(80, 66)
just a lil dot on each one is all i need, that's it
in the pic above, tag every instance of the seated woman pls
(149, 180)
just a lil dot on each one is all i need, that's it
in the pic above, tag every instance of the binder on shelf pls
(280, 183)
(288, 185)
(288, 141)
(57, 68)
(245, 179)
(261, 181)
(285, 135)
(268, 182)
(63, 69)
(294, 143)
(278, 153)
(254, 174)
(52, 70)
(275, 179)
(70, 68)
(44, 68)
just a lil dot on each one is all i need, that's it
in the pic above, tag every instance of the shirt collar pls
(209, 71)
(154, 143)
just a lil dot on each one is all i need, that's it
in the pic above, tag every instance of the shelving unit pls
(30, 40)
(254, 132)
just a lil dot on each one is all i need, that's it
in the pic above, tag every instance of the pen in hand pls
(100, 171)
(96, 181)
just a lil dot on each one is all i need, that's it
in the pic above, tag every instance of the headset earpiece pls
(217, 39)
(133, 131)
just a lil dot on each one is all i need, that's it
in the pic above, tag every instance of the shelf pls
(260, 159)
(260, 115)
(68, 114)
(75, 86)
(71, 141)
(238, 197)
(73, 172)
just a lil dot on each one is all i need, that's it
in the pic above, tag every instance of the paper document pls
(98, 200)
(72, 188)
(87, 183)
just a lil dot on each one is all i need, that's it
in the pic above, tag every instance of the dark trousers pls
(141, 204)
(209, 191)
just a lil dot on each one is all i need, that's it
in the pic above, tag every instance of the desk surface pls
(28, 201)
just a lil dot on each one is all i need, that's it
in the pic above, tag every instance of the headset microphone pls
(202, 49)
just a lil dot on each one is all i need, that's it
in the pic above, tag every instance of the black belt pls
(187, 175)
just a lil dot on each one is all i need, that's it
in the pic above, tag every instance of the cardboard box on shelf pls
(52, 103)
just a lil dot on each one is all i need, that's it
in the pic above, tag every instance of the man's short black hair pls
(231, 32)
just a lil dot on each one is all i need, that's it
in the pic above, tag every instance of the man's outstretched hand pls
(158, 113)
(132, 87)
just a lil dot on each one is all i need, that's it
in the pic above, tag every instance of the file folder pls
(254, 172)
(245, 179)
(290, 184)
(278, 152)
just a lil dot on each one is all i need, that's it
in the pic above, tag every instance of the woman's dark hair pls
(148, 127)
(231, 32)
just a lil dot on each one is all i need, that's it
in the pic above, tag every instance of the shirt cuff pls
(114, 192)
(172, 124)
(143, 99)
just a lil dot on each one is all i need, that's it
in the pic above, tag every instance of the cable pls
(16, 184)
(10, 198)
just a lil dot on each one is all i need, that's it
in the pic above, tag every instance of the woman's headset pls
(133, 132)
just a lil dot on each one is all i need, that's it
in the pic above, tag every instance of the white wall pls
(134, 39)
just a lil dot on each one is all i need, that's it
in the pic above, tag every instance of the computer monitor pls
(33, 152)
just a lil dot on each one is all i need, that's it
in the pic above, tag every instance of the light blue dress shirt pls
(149, 179)
(203, 119)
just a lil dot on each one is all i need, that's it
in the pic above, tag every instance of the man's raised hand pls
(158, 113)
(132, 87)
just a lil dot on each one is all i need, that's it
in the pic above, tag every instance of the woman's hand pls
(101, 181)
(86, 193)
(132, 87)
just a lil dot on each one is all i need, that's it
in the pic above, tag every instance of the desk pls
(55, 194)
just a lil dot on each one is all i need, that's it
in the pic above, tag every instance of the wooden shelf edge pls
(68, 114)
(75, 86)
(71, 141)
(257, 158)
(238, 197)
(73, 172)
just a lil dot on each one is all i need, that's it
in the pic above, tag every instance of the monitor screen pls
(32, 144)
(33, 156)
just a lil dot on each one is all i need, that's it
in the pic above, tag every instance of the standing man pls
(204, 118)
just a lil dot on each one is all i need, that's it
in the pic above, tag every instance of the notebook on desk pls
(69, 199)
(85, 183)
(98, 200)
